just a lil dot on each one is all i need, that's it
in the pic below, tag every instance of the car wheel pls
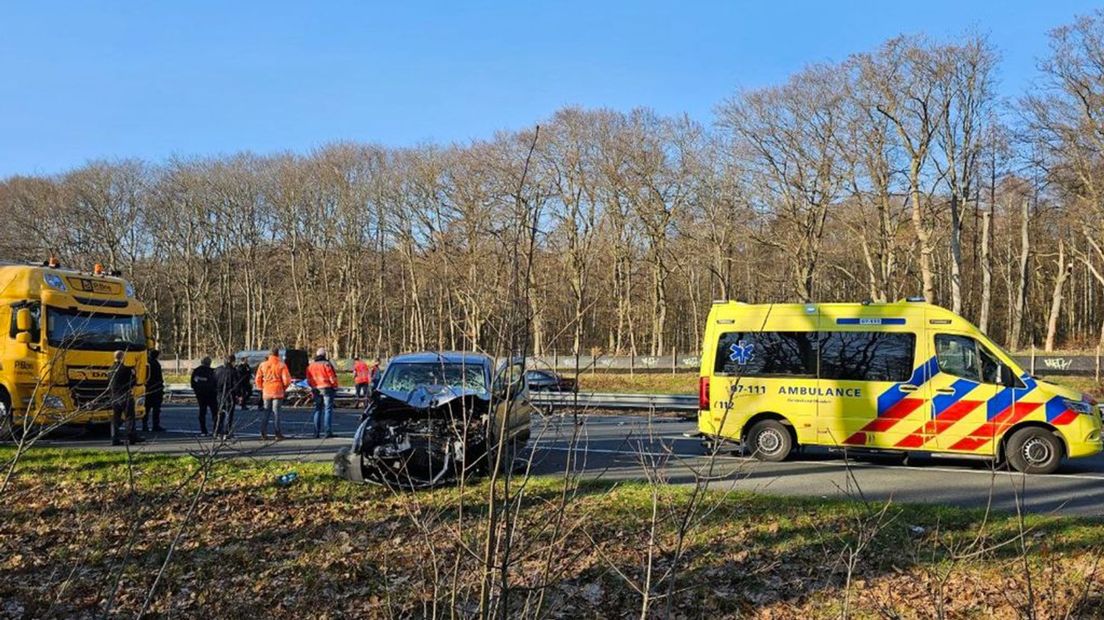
(1034, 451)
(769, 440)
(509, 456)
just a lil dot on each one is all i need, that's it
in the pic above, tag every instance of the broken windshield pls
(404, 377)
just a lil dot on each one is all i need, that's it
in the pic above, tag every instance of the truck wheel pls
(769, 440)
(8, 428)
(1034, 451)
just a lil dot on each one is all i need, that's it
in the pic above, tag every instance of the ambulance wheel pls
(769, 440)
(1034, 451)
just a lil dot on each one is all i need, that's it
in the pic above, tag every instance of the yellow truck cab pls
(903, 376)
(64, 327)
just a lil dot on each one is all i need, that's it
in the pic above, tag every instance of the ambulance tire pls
(1034, 450)
(769, 440)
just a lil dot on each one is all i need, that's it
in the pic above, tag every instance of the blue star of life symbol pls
(742, 352)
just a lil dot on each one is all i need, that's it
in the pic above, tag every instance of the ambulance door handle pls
(908, 387)
(945, 390)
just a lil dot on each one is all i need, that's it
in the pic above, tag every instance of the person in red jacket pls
(362, 378)
(273, 380)
(322, 378)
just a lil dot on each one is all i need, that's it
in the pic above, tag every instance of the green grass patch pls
(78, 520)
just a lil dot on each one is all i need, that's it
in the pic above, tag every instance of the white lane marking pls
(239, 435)
(834, 463)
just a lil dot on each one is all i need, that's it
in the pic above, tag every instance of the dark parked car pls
(548, 381)
(435, 416)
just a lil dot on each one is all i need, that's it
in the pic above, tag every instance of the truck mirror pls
(148, 327)
(23, 337)
(23, 320)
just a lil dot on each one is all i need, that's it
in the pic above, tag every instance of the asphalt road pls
(627, 447)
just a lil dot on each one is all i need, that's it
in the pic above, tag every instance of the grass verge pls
(81, 528)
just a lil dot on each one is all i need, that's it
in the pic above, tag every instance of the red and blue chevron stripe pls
(895, 404)
(1057, 413)
(1001, 411)
(946, 410)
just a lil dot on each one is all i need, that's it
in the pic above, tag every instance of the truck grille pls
(88, 394)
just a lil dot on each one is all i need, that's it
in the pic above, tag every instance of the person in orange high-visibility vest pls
(322, 377)
(362, 379)
(273, 379)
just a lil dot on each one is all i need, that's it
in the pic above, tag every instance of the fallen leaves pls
(323, 548)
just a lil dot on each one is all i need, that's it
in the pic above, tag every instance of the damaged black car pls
(437, 416)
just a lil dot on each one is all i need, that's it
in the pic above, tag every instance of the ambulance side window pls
(990, 366)
(766, 354)
(866, 356)
(962, 357)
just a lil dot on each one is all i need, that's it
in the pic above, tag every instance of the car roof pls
(444, 357)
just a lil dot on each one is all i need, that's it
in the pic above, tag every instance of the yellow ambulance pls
(899, 377)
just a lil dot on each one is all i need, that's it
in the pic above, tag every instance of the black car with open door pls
(435, 416)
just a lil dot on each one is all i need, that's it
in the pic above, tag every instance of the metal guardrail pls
(1041, 363)
(183, 390)
(598, 400)
(584, 400)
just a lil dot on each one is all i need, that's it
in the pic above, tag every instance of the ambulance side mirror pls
(1008, 378)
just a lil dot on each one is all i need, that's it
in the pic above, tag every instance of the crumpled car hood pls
(429, 398)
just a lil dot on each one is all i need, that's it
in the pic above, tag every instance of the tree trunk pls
(986, 268)
(956, 255)
(923, 235)
(1022, 276)
(1063, 274)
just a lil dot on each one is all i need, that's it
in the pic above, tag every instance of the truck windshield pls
(71, 329)
(405, 377)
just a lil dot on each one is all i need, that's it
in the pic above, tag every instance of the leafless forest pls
(897, 172)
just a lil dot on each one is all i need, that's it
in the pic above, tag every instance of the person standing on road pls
(245, 383)
(273, 380)
(227, 388)
(362, 380)
(203, 385)
(155, 393)
(120, 387)
(322, 377)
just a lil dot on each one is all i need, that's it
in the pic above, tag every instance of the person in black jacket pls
(227, 388)
(120, 388)
(245, 387)
(155, 393)
(206, 393)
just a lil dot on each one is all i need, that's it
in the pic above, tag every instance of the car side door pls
(511, 395)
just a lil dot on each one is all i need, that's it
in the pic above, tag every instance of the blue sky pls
(86, 80)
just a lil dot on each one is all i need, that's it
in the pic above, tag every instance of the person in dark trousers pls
(155, 393)
(120, 387)
(322, 378)
(227, 387)
(245, 385)
(206, 393)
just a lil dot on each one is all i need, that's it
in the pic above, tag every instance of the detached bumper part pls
(346, 465)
